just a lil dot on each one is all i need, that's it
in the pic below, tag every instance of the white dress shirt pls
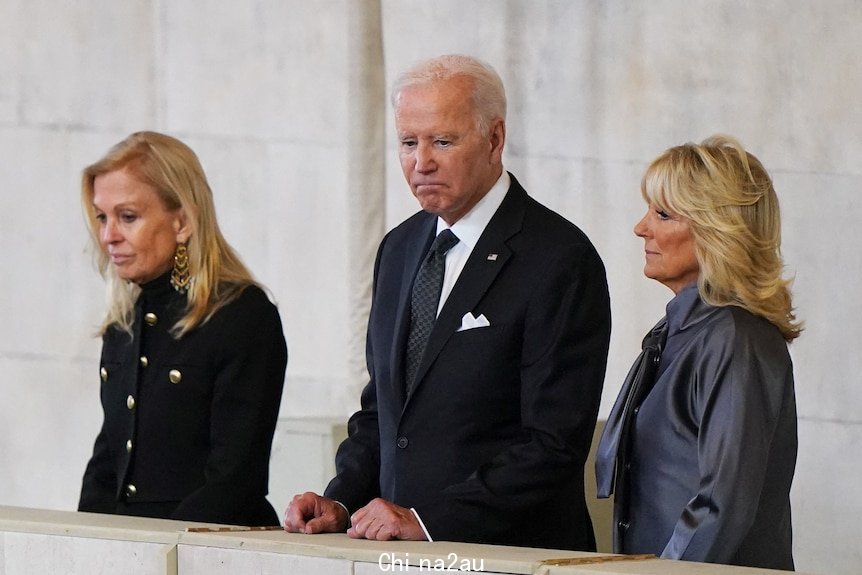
(468, 229)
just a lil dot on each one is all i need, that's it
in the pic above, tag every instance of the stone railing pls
(37, 541)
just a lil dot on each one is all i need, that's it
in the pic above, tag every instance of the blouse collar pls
(686, 309)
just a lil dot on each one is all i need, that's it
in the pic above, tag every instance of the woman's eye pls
(128, 217)
(663, 215)
(101, 218)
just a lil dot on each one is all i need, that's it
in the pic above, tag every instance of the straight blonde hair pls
(217, 273)
(729, 202)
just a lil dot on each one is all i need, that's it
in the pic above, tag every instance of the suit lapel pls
(485, 263)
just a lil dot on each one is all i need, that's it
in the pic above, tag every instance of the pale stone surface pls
(261, 90)
(83, 65)
(396, 564)
(256, 69)
(303, 457)
(826, 527)
(26, 553)
(217, 561)
(38, 541)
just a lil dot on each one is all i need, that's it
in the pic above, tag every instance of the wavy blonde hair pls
(728, 200)
(218, 275)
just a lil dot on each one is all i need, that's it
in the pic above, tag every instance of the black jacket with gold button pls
(189, 422)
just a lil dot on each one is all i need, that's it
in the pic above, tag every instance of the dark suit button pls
(636, 410)
(627, 466)
(402, 442)
(623, 525)
(656, 360)
(131, 490)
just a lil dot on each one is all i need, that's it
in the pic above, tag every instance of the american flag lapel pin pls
(492, 257)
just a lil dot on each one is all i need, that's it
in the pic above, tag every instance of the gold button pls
(129, 446)
(103, 373)
(131, 490)
(130, 402)
(150, 318)
(144, 361)
(175, 376)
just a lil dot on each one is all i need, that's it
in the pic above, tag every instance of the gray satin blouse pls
(711, 449)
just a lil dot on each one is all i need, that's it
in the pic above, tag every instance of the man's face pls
(449, 164)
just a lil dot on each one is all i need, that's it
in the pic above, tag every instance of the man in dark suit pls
(481, 435)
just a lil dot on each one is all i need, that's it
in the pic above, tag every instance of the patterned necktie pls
(424, 301)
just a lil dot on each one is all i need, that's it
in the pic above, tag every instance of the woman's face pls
(669, 248)
(136, 230)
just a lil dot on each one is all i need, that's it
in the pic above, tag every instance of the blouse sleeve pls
(741, 383)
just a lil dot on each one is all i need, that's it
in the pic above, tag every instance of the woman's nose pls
(108, 233)
(641, 227)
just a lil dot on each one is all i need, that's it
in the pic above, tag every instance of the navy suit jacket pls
(490, 445)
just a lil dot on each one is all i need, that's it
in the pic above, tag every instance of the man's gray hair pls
(489, 95)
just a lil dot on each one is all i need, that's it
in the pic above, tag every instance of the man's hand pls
(311, 513)
(382, 520)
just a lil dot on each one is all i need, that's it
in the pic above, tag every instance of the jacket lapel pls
(485, 263)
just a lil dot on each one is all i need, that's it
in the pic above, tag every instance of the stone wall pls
(284, 102)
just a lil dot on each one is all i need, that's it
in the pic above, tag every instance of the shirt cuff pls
(422, 525)
(343, 506)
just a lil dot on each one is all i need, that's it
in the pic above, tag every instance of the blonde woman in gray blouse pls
(700, 447)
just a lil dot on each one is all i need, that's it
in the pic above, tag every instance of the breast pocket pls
(480, 339)
(473, 353)
(176, 384)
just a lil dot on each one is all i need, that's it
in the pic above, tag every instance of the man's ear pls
(497, 137)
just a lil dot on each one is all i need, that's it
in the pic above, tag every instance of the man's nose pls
(425, 158)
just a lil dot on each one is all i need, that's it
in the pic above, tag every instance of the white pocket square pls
(470, 322)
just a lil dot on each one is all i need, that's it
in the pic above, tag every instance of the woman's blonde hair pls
(732, 210)
(217, 274)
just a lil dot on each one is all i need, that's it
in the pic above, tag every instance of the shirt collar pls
(473, 223)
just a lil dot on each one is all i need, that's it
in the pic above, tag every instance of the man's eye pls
(408, 143)
(444, 143)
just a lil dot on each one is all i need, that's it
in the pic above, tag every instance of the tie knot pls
(444, 242)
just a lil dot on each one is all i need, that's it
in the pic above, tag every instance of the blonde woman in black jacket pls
(193, 354)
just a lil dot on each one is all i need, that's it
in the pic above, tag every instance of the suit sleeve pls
(357, 462)
(740, 391)
(565, 338)
(244, 410)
